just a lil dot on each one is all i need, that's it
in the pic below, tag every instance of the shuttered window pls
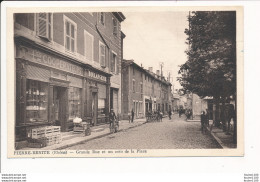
(44, 25)
(113, 63)
(89, 44)
(102, 54)
(70, 34)
(102, 18)
(115, 27)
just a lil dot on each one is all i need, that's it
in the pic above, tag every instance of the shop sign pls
(34, 55)
(97, 76)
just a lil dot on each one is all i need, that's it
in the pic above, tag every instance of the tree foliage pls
(210, 69)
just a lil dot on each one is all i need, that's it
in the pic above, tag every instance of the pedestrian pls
(133, 115)
(129, 117)
(230, 115)
(160, 116)
(170, 114)
(202, 120)
(112, 118)
(180, 111)
(207, 118)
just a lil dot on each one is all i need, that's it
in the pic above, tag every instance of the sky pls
(154, 37)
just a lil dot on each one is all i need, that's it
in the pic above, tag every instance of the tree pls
(210, 69)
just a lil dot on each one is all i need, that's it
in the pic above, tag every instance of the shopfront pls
(52, 90)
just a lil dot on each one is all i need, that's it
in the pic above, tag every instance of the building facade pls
(143, 91)
(67, 66)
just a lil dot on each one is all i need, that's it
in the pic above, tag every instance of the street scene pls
(168, 134)
(125, 80)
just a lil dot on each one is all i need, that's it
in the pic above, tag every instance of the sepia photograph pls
(126, 82)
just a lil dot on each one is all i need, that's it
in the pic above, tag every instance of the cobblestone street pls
(169, 134)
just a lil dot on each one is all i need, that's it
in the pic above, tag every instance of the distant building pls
(143, 90)
(67, 65)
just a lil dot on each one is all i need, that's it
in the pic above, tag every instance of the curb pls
(97, 137)
(216, 138)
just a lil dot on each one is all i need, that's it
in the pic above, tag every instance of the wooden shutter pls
(111, 61)
(89, 47)
(102, 55)
(42, 25)
(117, 65)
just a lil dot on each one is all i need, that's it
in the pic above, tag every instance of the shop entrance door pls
(94, 108)
(60, 106)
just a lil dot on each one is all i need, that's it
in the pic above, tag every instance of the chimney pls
(150, 69)
(158, 72)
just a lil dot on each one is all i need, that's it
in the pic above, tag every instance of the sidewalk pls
(73, 138)
(226, 141)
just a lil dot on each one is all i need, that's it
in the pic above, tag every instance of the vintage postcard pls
(125, 81)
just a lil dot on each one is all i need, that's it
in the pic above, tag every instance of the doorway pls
(60, 106)
(94, 108)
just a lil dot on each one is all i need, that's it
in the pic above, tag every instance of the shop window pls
(36, 101)
(113, 63)
(70, 29)
(74, 102)
(101, 107)
(44, 25)
(115, 27)
(102, 54)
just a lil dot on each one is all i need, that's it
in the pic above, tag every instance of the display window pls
(101, 107)
(75, 95)
(36, 101)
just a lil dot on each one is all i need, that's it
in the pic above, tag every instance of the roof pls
(153, 75)
(120, 16)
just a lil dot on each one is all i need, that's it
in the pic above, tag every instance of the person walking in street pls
(160, 116)
(180, 111)
(129, 117)
(133, 115)
(207, 118)
(202, 120)
(170, 114)
(112, 119)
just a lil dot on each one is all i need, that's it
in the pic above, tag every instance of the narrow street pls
(169, 134)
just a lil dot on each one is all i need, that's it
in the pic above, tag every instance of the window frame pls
(99, 53)
(66, 19)
(115, 30)
(116, 60)
(85, 46)
(133, 85)
(36, 26)
(102, 22)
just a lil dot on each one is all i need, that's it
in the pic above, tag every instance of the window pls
(44, 25)
(101, 107)
(36, 101)
(102, 54)
(113, 63)
(102, 18)
(115, 29)
(74, 102)
(133, 85)
(70, 29)
(89, 44)
(141, 85)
